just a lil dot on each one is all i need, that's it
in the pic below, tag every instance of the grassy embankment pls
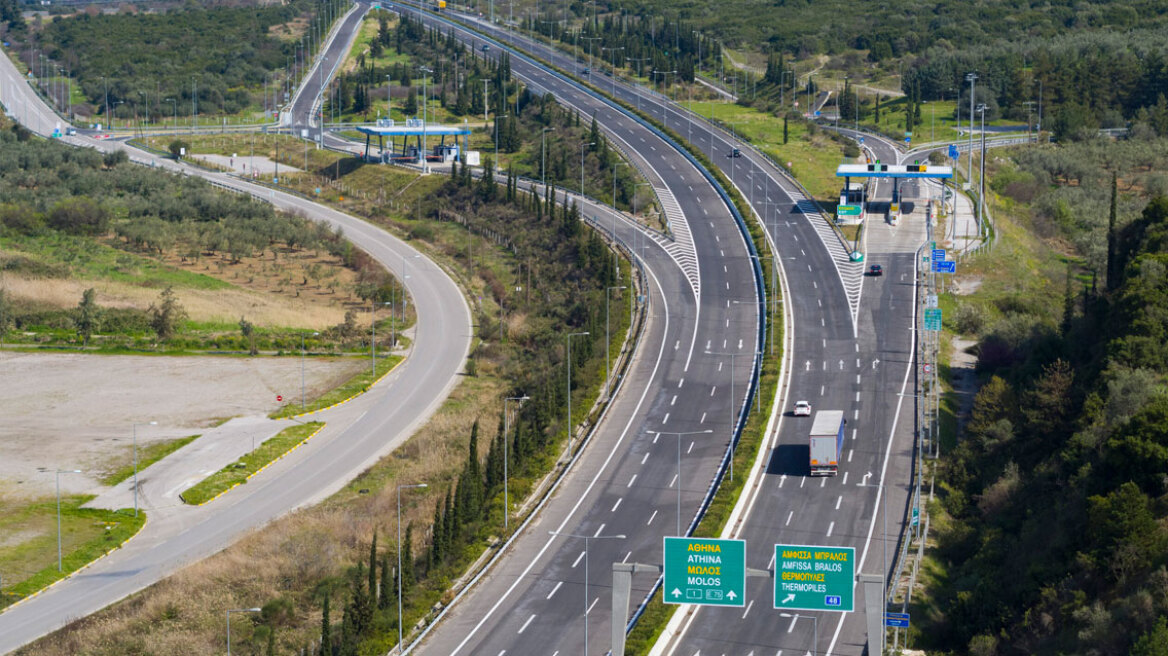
(354, 386)
(239, 472)
(29, 550)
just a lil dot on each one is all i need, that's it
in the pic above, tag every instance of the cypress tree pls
(348, 633)
(436, 538)
(326, 639)
(448, 536)
(373, 569)
(1112, 274)
(784, 129)
(360, 607)
(385, 599)
(407, 573)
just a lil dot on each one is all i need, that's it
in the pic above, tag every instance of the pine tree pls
(326, 639)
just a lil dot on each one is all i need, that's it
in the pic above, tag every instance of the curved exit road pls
(357, 434)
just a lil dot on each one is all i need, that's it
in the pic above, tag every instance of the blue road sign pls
(952, 151)
(898, 620)
(946, 267)
(938, 255)
(861, 138)
(908, 139)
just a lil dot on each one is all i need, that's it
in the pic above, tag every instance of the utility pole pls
(971, 78)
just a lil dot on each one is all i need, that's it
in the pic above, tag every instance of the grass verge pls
(29, 549)
(355, 385)
(238, 473)
(147, 455)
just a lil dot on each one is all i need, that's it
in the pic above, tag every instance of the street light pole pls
(971, 78)
(586, 539)
(59, 472)
(815, 624)
(399, 561)
(506, 438)
(135, 432)
(236, 610)
(582, 146)
(733, 357)
(571, 433)
(679, 436)
(607, 339)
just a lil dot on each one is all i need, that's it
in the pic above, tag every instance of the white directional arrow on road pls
(875, 362)
(841, 364)
(807, 366)
(865, 479)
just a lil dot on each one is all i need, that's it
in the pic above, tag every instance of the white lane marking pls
(617, 504)
(673, 481)
(721, 252)
(857, 348)
(578, 559)
(856, 414)
(740, 343)
(857, 363)
(792, 627)
(845, 478)
(802, 480)
(849, 460)
(679, 383)
(627, 556)
(524, 627)
(838, 501)
(824, 342)
(646, 457)
(719, 366)
(796, 237)
(703, 419)
(809, 267)
(744, 613)
(651, 518)
(857, 379)
(712, 390)
(821, 321)
(789, 516)
(598, 530)
(802, 252)
(853, 433)
(820, 301)
(830, 528)
(555, 589)
(857, 395)
(632, 479)
(821, 389)
(674, 400)
(691, 444)
(707, 344)
(771, 562)
(589, 611)
(666, 419)
(822, 482)
(655, 437)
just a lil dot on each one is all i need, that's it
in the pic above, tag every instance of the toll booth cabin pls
(415, 136)
(853, 203)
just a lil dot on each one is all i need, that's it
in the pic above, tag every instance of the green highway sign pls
(815, 578)
(848, 210)
(932, 318)
(704, 571)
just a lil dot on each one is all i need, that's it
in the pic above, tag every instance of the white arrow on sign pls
(864, 481)
(789, 598)
(676, 592)
(731, 596)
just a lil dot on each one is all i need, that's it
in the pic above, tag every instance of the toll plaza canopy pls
(893, 171)
(416, 129)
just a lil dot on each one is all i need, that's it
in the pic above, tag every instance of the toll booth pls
(416, 137)
(847, 214)
(853, 203)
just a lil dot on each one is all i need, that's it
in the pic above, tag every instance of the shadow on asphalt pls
(789, 460)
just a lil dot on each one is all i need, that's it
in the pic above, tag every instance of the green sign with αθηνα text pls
(704, 571)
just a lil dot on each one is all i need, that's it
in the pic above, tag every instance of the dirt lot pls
(74, 411)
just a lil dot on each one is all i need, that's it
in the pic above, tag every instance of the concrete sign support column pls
(874, 609)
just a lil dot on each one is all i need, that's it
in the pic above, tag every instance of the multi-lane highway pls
(853, 340)
(355, 436)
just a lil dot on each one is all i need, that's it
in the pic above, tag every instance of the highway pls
(625, 482)
(852, 351)
(356, 436)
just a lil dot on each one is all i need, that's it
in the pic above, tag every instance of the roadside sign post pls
(809, 577)
(896, 620)
(704, 571)
(933, 319)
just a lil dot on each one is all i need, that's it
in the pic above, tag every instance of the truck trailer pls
(826, 442)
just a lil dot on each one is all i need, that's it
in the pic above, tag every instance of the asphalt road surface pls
(357, 433)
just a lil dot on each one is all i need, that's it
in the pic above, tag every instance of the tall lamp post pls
(506, 437)
(971, 78)
(679, 436)
(173, 102)
(399, 561)
(583, 145)
(733, 357)
(302, 354)
(373, 333)
(586, 539)
(614, 51)
(134, 430)
(543, 157)
(815, 624)
(236, 610)
(497, 118)
(59, 472)
(571, 433)
(664, 89)
(981, 109)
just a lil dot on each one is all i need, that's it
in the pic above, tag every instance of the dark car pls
(875, 270)
(586, 71)
(735, 153)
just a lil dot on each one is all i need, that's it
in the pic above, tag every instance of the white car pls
(802, 409)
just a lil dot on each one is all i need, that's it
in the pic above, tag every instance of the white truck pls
(826, 442)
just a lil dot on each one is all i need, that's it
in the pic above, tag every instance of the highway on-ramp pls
(356, 435)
